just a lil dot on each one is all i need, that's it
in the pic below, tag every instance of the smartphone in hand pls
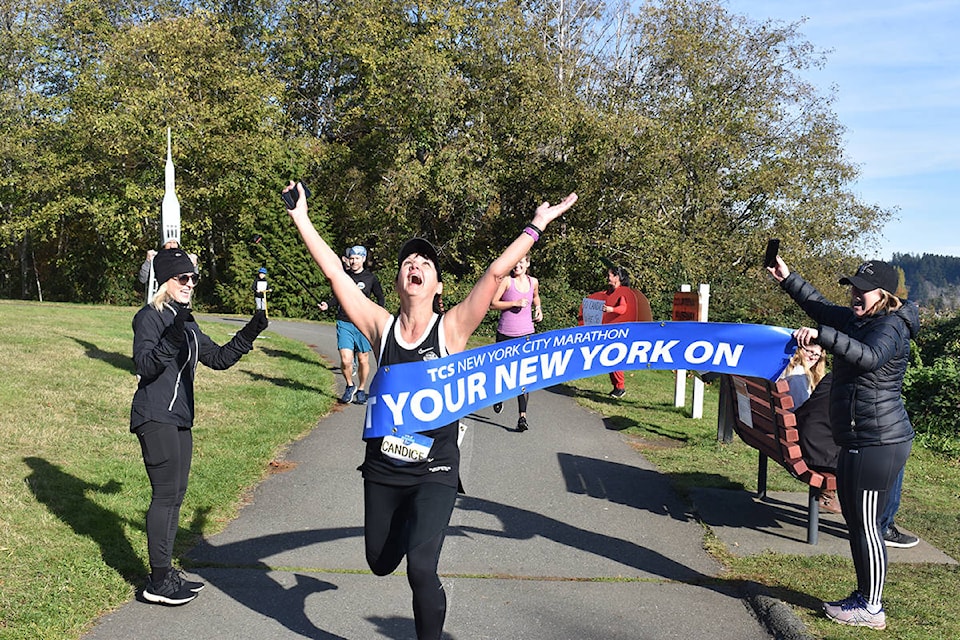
(773, 249)
(290, 197)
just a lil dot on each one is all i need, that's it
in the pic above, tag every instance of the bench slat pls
(771, 428)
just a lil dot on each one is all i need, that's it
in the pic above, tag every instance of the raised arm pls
(366, 314)
(463, 319)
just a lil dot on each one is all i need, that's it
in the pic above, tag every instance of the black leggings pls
(167, 453)
(411, 521)
(864, 479)
(523, 397)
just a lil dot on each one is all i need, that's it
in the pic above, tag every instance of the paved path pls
(565, 532)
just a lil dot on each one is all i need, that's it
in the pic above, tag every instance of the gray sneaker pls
(853, 611)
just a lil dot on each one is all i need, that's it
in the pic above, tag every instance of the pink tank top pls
(516, 321)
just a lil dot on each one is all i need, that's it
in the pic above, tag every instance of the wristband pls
(535, 228)
(532, 231)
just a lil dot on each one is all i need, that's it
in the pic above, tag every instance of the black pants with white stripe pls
(865, 477)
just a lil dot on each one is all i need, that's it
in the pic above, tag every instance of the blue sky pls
(896, 70)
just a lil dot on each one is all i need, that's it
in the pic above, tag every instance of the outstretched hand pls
(780, 270)
(301, 207)
(257, 323)
(547, 213)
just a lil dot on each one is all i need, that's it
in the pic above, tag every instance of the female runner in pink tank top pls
(518, 301)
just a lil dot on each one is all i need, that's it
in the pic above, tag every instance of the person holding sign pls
(870, 344)
(411, 482)
(260, 289)
(618, 303)
(518, 301)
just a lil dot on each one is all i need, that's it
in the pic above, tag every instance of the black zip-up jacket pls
(165, 389)
(870, 356)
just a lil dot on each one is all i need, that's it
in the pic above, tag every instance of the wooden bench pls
(760, 412)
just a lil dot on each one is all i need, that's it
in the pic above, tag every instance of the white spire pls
(170, 208)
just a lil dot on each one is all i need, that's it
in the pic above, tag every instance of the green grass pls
(920, 599)
(73, 490)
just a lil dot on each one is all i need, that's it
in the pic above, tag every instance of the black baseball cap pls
(421, 247)
(874, 275)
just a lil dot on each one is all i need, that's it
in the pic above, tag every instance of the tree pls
(729, 147)
(99, 208)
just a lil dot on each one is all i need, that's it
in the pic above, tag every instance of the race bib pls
(413, 447)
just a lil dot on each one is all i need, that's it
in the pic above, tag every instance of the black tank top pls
(406, 462)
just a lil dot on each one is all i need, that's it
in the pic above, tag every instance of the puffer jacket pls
(870, 356)
(166, 372)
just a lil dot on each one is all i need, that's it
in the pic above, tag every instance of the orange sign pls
(686, 306)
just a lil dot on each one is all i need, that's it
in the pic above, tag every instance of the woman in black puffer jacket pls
(870, 343)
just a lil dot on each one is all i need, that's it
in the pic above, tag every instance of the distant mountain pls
(932, 280)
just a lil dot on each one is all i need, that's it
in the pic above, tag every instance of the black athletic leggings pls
(411, 521)
(864, 479)
(167, 453)
(523, 397)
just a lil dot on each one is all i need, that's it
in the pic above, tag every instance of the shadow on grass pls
(289, 355)
(66, 497)
(286, 383)
(122, 361)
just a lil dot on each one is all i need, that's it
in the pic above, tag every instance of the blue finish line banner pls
(419, 396)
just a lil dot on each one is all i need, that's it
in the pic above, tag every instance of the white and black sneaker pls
(171, 591)
(192, 585)
(897, 539)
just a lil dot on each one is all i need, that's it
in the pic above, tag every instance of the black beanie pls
(169, 263)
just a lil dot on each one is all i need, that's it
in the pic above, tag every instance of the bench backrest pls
(763, 418)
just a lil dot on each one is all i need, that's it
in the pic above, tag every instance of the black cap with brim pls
(874, 275)
(421, 247)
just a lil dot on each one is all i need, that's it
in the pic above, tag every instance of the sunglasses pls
(184, 278)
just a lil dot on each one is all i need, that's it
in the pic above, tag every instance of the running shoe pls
(348, 394)
(618, 393)
(361, 397)
(497, 407)
(522, 424)
(171, 591)
(853, 611)
(192, 585)
(893, 537)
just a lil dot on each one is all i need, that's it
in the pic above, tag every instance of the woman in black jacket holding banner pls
(410, 483)
(167, 345)
(870, 343)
